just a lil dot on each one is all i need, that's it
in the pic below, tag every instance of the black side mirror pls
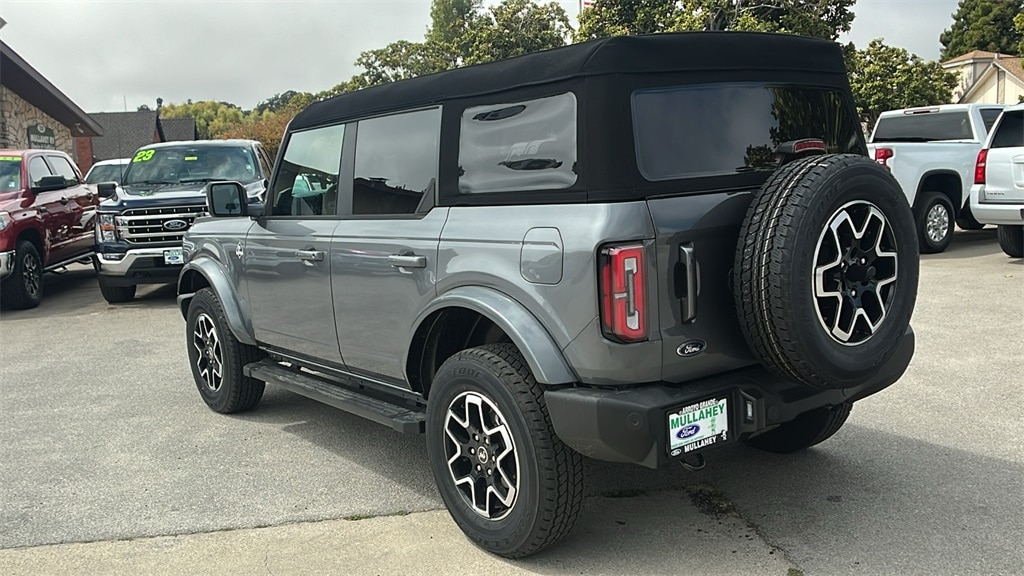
(106, 189)
(47, 183)
(225, 199)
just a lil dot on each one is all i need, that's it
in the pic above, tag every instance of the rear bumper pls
(137, 266)
(1006, 214)
(6, 264)
(632, 425)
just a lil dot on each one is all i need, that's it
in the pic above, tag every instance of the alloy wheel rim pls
(855, 273)
(210, 357)
(30, 274)
(937, 222)
(481, 455)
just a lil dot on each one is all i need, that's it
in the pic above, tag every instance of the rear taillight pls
(882, 156)
(623, 287)
(979, 166)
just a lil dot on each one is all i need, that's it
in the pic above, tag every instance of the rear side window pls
(989, 117)
(396, 163)
(519, 146)
(924, 127)
(727, 129)
(1010, 133)
(306, 183)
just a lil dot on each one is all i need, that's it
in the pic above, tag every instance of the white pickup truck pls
(932, 152)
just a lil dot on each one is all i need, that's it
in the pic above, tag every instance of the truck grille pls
(149, 225)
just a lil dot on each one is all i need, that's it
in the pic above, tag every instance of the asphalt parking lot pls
(111, 463)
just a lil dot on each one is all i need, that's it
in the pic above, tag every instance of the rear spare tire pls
(825, 273)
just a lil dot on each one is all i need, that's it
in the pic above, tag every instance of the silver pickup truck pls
(614, 250)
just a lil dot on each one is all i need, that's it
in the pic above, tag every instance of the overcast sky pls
(102, 53)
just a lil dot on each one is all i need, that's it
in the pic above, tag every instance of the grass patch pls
(710, 501)
(355, 517)
(794, 572)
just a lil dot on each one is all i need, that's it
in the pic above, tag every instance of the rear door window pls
(1010, 133)
(719, 129)
(924, 127)
(519, 146)
(396, 163)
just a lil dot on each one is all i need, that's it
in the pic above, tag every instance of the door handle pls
(43, 209)
(407, 261)
(310, 255)
(64, 200)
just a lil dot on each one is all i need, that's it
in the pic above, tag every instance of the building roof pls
(178, 129)
(976, 55)
(123, 133)
(702, 53)
(1012, 65)
(27, 82)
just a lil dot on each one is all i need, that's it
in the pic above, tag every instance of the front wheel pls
(507, 480)
(1011, 240)
(806, 430)
(934, 222)
(217, 357)
(116, 294)
(24, 288)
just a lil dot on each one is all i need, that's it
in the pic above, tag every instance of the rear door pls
(80, 202)
(1004, 176)
(384, 253)
(285, 262)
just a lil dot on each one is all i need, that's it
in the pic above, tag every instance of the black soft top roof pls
(674, 52)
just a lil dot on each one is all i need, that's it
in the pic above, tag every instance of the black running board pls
(401, 418)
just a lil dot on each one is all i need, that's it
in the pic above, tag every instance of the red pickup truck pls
(47, 219)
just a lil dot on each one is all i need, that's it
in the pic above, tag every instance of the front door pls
(286, 255)
(80, 203)
(52, 207)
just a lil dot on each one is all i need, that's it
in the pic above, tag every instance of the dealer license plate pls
(698, 426)
(173, 257)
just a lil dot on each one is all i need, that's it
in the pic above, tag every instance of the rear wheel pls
(825, 275)
(507, 480)
(24, 287)
(116, 294)
(934, 222)
(1011, 240)
(806, 430)
(966, 220)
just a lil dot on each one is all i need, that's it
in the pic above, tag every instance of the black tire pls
(548, 473)
(234, 392)
(783, 253)
(23, 289)
(1011, 240)
(116, 294)
(934, 215)
(966, 221)
(806, 430)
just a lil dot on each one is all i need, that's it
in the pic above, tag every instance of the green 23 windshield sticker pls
(144, 156)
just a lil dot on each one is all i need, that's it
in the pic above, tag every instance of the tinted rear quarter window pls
(989, 117)
(513, 146)
(726, 129)
(924, 127)
(1010, 133)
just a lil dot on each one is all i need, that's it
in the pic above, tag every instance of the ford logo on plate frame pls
(175, 225)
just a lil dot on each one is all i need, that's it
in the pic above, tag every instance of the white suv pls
(997, 196)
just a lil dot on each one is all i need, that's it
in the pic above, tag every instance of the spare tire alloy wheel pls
(855, 272)
(481, 455)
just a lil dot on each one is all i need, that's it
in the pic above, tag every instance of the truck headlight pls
(105, 229)
(5, 220)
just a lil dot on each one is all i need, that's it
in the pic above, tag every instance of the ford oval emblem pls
(687, 431)
(691, 348)
(175, 225)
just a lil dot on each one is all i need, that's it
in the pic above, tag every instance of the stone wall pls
(16, 117)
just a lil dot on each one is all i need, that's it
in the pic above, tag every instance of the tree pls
(284, 99)
(1018, 23)
(461, 33)
(887, 78)
(212, 118)
(983, 25)
(266, 127)
(817, 18)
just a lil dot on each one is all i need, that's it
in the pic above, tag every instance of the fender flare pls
(535, 343)
(961, 199)
(217, 279)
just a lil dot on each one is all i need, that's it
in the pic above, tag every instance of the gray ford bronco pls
(636, 249)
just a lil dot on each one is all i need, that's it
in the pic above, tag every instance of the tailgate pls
(696, 242)
(1004, 177)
